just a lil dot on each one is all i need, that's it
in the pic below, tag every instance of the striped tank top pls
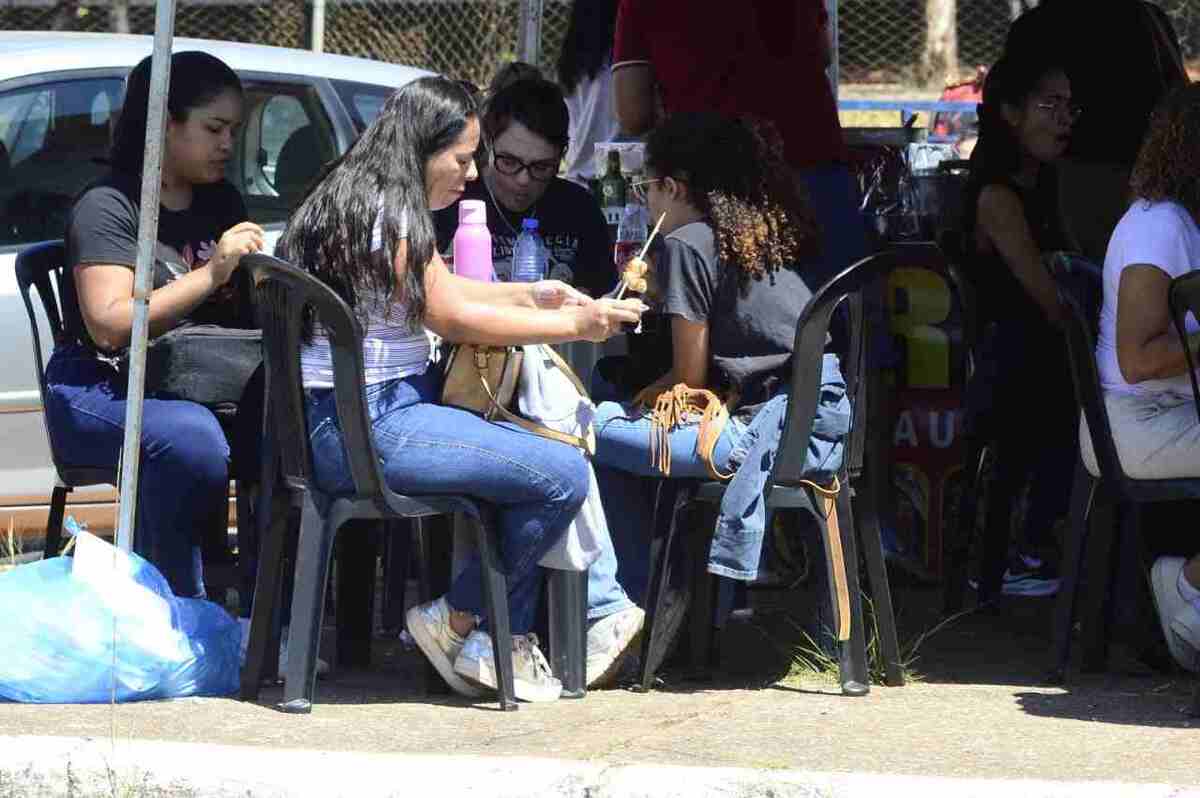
(391, 348)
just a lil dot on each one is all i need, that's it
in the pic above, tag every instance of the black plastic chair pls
(35, 266)
(1104, 544)
(283, 293)
(785, 490)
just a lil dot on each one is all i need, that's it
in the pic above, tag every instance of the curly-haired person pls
(1143, 368)
(730, 274)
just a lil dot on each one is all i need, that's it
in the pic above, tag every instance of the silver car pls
(59, 96)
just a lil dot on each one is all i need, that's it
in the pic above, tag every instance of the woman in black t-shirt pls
(729, 273)
(1013, 221)
(202, 236)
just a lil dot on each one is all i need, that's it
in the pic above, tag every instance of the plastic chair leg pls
(568, 630)
(1072, 565)
(853, 672)
(959, 552)
(268, 585)
(433, 541)
(495, 596)
(54, 524)
(396, 557)
(704, 651)
(659, 577)
(1101, 545)
(313, 559)
(881, 591)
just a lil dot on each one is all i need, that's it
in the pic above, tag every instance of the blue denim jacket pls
(738, 539)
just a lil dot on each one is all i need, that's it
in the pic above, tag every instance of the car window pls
(54, 138)
(287, 140)
(363, 100)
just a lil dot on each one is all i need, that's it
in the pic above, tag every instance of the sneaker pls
(1028, 575)
(609, 641)
(532, 680)
(429, 625)
(1164, 582)
(244, 623)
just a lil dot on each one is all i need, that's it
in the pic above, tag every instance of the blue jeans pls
(622, 466)
(184, 466)
(536, 485)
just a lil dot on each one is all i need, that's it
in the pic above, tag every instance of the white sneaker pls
(244, 623)
(1164, 579)
(609, 641)
(532, 679)
(429, 625)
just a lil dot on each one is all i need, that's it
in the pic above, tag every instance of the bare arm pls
(469, 316)
(689, 363)
(106, 291)
(1148, 347)
(633, 98)
(550, 294)
(1002, 223)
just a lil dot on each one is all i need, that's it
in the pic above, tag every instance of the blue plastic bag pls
(61, 623)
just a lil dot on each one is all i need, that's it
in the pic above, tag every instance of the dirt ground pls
(976, 709)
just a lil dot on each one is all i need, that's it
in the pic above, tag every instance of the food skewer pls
(642, 254)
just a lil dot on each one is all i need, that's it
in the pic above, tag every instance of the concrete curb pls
(52, 766)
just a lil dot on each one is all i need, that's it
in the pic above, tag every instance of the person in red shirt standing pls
(760, 58)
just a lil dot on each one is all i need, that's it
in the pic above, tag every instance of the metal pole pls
(160, 80)
(834, 46)
(529, 33)
(318, 26)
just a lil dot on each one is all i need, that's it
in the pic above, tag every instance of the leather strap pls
(839, 582)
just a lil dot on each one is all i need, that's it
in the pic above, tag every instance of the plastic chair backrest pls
(807, 354)
(284, 292)
(35, 265)
(1078, 290)
(1183, 297)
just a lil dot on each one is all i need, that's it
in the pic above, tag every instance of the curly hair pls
(735, 175)
(1168, 165)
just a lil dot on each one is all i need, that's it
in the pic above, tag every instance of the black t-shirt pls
(569, 221)
(750, 332)
(103, 229)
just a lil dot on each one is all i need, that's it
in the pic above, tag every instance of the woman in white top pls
(585, 74)
(367, 231)
(1143, 369)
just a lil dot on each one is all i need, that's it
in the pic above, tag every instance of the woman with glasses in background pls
(1025, 124)
(525, 125)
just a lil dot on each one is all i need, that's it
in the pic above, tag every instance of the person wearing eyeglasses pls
(526, 124)
(1011, 213)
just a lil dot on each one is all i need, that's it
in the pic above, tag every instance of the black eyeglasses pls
(512, 166)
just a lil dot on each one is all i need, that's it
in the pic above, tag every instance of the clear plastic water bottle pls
(530, 258)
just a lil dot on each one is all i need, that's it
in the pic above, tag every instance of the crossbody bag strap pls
(588, 444)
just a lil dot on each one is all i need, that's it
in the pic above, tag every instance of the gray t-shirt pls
(750, 331)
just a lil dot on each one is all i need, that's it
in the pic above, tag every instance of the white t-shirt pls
(1161, 234)
(592, 121)
(391, 349)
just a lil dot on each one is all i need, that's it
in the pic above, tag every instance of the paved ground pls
(977, 713)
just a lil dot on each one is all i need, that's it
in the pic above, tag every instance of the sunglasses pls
(512, 166)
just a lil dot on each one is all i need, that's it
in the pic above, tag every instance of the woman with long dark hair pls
(1012, 213)
(367, 230)
(202, 235)
(730, 274)
(585, 74)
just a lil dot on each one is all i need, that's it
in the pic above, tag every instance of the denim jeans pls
(622, 468)
(184, 467)
(535, 484)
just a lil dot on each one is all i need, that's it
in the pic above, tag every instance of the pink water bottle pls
(473, 242)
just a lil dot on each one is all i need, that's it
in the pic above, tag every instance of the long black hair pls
(734, 173)
(998, 155)
(587, 47)
(382, 175)
(196, 79)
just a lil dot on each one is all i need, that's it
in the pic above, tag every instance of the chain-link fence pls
(915, 42)
(907, 42)
(466, 39)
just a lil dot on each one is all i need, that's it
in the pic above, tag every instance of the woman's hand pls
(555, 294)
(242, 239)
(602, 318)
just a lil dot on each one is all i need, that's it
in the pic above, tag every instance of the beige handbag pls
(483, 379)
